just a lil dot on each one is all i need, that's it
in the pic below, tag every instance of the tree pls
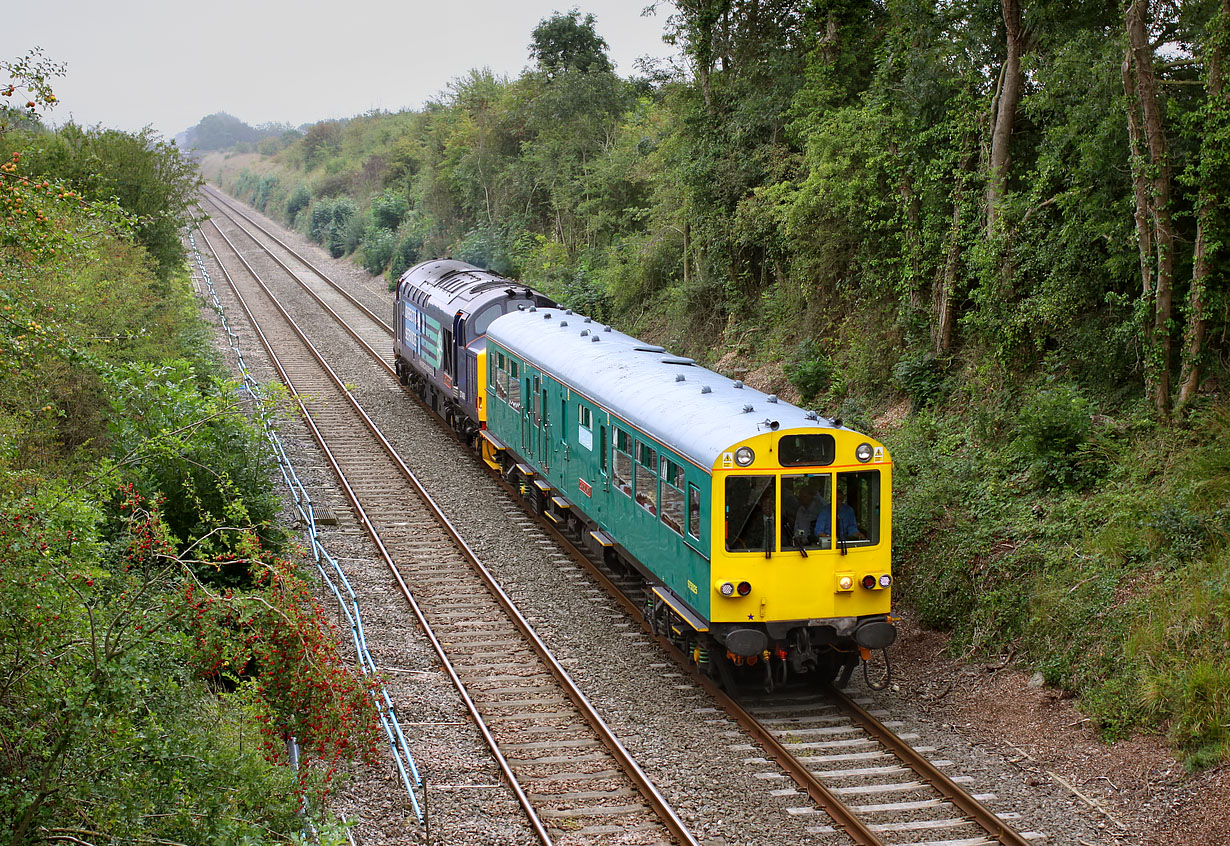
(566, 42)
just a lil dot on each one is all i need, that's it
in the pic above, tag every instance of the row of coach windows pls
(639, 479)
(805, 518)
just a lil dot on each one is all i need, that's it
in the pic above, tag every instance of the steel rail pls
(350, 330)
(961, 799)
(646, 787)
(223, 202)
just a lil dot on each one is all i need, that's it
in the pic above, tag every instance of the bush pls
(809, 370)
(378, 248)
(921, 377)
(298, 200)
(1051, 428)
(388, 210)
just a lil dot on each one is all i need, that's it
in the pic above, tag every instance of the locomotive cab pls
(800, 554)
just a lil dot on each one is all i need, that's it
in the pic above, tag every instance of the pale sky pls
(137, 63)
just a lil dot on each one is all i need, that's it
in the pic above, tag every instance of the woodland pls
(991, 234)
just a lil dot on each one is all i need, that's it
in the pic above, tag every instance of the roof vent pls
(584, 332)
(589, 320)
(679, 377)
(606, 328)
(748, 409)
(705, 389)
(546, 315)
(532, 308)
(810, 415)
(595, 339)
(567, 311)
(772, 398)
(650, 348)
(737, 384)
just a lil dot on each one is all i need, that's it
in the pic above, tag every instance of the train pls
(760, 531)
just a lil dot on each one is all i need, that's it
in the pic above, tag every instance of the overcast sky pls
(160, 63)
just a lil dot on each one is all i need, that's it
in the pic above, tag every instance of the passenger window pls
(858, 508)
(647, 477)
(672, 495)
(751, 509)
(514, 386)
(622, 461)
(694, 511)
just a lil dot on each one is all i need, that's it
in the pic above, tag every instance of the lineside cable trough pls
(330, 571)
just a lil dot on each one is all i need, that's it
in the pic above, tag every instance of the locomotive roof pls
(693, 410)
(450, 285)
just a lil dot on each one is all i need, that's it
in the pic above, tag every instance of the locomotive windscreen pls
(807, 450)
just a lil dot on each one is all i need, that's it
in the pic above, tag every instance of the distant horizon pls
(135, 64)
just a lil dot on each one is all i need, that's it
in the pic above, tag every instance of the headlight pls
(886, 580)
(863, 453)
(845, 583)
(744, 456)
(727, 589)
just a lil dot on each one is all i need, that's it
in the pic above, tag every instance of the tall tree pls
(1142, 96)
(1004, 108)
(1215, 126)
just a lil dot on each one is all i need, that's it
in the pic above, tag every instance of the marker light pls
(863, 453)
(727, 589)
(870, 582)
(744, 588)
(886, 580)
(845, 583)
(744, 456)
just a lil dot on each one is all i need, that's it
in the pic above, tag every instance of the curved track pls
(871, 784)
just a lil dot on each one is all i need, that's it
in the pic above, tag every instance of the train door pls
(604, 466)
(533, 388)
(545, 443)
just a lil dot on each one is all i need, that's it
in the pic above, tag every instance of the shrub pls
(809, 370)
(378, 248)
(298, 200)
(921, 377)
(1051, 428)
(388, 210)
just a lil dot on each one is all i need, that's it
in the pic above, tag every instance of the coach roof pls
(698, 413)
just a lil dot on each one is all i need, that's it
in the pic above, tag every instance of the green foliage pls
(298, 200)
(379, 247)
(131, 487)
(919, 376)
(810, 371)
(1051, 429)
(147, 177)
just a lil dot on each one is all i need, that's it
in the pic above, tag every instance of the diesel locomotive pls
(761, 530)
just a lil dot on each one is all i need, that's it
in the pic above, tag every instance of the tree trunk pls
(944, 301)
(1007, 98)
(1157, 365)
(1140, 182)
(1193, 343)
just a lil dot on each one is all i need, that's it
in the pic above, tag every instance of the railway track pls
(847, 766)
(571, 774)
